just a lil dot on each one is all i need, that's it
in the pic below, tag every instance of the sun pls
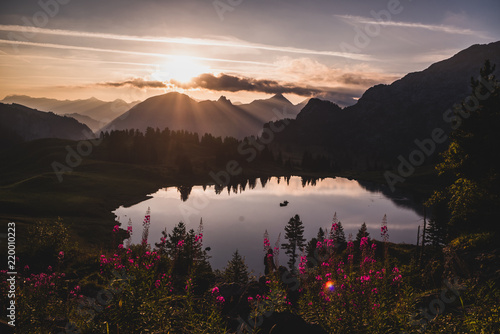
(180, 68)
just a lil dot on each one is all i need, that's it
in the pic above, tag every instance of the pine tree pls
(184, 248)
(236, 270)
(339, 234)
(321, 235)
(294, 233)
(436, 233)
(362, 232)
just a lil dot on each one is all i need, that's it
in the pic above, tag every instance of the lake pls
(237, 219)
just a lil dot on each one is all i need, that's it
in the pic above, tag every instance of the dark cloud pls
(359, 80)
(231, 83)
(342, 96)
(138, 83)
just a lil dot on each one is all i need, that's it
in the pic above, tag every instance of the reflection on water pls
(236, 217)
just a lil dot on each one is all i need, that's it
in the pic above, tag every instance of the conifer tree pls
(362, 232)
(294, 233)
(236, 270)
(339, 234)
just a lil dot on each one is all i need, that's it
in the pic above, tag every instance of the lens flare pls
(330, 286)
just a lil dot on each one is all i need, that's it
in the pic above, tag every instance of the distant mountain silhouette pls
(387, 119)
(20, 123)
(220, 118)
(97, 110)
(93, 124)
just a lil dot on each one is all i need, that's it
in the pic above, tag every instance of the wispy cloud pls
(128, 52)
(230, 43)
(137, 83)
(415, 25)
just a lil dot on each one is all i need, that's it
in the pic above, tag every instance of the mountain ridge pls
(387, 119)
(26, 124)
(178, 111)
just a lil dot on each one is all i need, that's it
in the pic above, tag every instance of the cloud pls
(346, 94)
(231, 83)
(126, 52)
(137, 83)
(309, 70)
(432, 27)
(28, 31)
(343, 96)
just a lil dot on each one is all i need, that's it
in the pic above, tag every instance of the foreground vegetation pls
(338, 286)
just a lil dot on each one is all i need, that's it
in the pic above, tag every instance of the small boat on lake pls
(285, 203)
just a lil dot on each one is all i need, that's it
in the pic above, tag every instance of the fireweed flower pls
(267, 243)
(116, 228)
(215, 290)
(364, 242)
(365, 278)
(180, 243)
(383, 229)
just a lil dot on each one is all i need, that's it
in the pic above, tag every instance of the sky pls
(242, 49)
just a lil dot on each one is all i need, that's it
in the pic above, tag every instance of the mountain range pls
(92, 112)
(19, 123)
(220, 118)
(383, 124)
(387, 119)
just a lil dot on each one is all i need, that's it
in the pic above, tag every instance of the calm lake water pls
(238, 219)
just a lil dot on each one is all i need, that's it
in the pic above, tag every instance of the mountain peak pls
(279, 97)
(223, 99)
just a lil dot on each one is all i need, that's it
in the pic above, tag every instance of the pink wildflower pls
(302, 264)
(364, 242)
